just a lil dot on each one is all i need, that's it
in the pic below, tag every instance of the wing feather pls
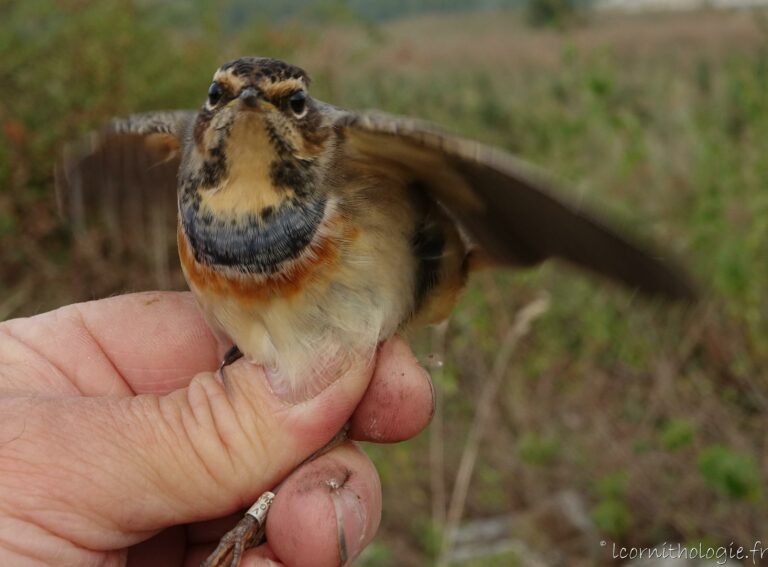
(124, 176)
(115, 173)
(121, 182)
(509, 208)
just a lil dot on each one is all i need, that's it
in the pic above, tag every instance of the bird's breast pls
(260, 262)
(254, 243)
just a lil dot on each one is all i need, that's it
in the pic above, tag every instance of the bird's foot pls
(248, 533)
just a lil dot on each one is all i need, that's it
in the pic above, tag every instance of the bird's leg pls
(249, 532)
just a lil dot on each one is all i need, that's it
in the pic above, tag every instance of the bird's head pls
(259, 139)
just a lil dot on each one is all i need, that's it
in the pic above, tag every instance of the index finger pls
(151, 342)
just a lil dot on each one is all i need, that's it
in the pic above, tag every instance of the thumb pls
(110, 471)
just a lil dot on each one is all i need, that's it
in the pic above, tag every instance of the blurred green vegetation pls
(235, 11)
(654, 414)
(556, 13)
(611, 513)
(733, 473)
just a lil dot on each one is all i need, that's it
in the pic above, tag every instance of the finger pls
(210, 531)
(399, 402)
(261, 556)
(155, 342)
(327, 511)
(166, 548)
(185, 545)
(113, 471)
(137, 343)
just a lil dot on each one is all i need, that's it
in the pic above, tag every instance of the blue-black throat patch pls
(256, 243)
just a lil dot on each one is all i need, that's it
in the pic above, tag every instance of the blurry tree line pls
(376, 11)
(556, 13)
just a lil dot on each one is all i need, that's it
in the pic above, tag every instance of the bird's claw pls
(248, 533)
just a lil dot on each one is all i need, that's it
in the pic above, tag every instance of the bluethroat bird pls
(308, 234)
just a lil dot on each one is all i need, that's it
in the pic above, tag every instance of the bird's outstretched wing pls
(124, 176)
(121, 182)
(504, 204)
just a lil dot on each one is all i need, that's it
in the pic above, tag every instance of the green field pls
(652, 418)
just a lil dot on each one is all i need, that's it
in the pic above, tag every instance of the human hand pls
(116, 441)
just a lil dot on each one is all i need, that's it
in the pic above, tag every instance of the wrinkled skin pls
(118, 444)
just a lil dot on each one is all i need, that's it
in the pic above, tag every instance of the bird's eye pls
(298, 103)
(215, 93)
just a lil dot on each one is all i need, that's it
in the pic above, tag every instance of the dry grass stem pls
(516, 332)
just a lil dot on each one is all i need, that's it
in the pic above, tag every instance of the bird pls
(308, 234)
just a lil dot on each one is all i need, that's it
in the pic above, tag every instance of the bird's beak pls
(252, 100)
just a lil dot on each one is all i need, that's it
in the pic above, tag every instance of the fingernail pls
(294, 387)
(294, 384)
(350, 522)
(397, 346)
